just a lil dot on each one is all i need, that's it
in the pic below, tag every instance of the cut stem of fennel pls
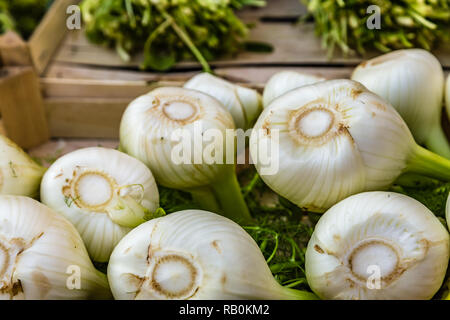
(429, 164)
(224, 197)
(127, 212)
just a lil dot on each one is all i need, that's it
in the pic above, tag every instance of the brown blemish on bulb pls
(42, 283)
(5, 253)
(11, 256)
(378, 105)
(16, 288)
(354, 93)
(318, 249)
(155, 102)
(363, 64)
(351, 283)
(215, 245)
(266, 128)
(223, 279)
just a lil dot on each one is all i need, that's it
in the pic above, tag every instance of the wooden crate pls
(86, 87)
(21, 105)
(40, 48)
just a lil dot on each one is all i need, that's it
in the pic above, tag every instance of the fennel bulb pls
(103, 192)
(192, 254)
(412, 81)
(244, 104)
(42, 255)
(284, 81)
(377, 245)
(447, 96)
(19, 174)
(167, 129)
(336, 139)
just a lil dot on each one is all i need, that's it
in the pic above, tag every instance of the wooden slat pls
(21, 106)
(13, 50)
(68, 71)
(66, 88)
(48, 35)
(85, 118)
(274, 9)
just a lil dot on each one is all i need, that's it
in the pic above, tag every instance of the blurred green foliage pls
(22, 16)
(404, 24)
(167, 30)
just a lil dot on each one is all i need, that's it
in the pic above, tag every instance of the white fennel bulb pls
(333, 139)
(412, 80)
(284, 81)
(377, 245)
(42, 255)
(19, 174)
(447, 96)
(192, 254)
(103, 192)
(181, 135)
(447, 212)
(244, 104)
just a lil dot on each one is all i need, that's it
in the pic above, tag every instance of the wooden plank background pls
(87, 87)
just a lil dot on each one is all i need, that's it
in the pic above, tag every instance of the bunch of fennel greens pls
(167, 30)
(404, 24)
(22, 16)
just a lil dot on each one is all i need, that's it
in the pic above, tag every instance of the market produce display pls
(167, 31)
(402, 24)
(342, 186)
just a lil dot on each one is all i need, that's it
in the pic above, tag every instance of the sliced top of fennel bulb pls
(377, 245)
(284, 81)
(412, 80)
(183, 136)
(42, 255)
(103, 192)
(333, 139)
(19, 174)
(192, 254)
(243, 103)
